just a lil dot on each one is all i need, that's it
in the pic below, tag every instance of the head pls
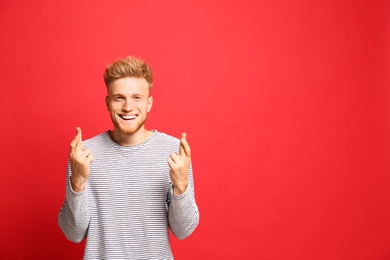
(128, 99)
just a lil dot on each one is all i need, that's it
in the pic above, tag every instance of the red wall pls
(286, 106)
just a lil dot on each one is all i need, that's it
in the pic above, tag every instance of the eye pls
(119, 98)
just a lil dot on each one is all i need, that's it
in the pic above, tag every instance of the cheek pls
(112, 108)
(142, 106)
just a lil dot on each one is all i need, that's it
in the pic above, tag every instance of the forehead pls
(128, 86)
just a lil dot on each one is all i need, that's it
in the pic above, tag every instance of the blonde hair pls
(128, 67)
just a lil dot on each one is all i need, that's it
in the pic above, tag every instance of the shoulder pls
(97, 140)
(163, 139)
(166, 137)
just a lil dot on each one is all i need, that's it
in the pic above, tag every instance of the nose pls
(127, 106)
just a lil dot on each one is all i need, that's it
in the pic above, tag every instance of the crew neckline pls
(136, 146)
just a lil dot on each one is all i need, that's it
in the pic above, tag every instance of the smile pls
(124, 117)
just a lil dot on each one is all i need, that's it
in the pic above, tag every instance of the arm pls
(183, 212)
(74, 215)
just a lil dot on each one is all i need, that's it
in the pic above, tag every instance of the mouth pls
(128, 117)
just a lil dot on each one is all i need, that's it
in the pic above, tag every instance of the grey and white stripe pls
(128, 205)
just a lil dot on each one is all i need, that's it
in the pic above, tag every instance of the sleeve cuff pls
(75, 193)
(181, 196)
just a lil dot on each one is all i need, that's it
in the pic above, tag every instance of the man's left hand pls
(180, 166)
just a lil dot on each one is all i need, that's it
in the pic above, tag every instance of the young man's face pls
(128, 102)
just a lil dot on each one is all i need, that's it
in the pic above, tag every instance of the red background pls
(286, 106)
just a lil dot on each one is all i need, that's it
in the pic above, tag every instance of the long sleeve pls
(74, 215)
(183, 212)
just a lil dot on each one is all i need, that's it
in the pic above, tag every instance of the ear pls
(107, 103)
(150, 103)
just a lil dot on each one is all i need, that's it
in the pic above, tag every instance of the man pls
(125, 188)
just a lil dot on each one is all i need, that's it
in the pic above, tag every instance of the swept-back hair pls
(128, 67)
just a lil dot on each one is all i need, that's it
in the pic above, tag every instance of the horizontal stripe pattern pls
(128, 205)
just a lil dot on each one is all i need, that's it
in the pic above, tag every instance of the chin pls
(127, 130)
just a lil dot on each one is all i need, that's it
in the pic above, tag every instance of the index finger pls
(184, 148)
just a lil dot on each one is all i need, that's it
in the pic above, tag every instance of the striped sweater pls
(128, 203)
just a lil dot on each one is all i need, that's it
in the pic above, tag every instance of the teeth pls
(128, 117)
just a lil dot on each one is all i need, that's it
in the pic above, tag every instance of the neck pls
(124, 139)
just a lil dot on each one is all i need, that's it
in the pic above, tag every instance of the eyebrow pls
(124, 95)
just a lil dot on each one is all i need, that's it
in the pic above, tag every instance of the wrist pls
(179, 188)
(77, 184)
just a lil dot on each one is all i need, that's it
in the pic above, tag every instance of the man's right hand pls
(80, 160)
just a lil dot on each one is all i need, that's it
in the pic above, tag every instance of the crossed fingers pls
(184, 149)
(177, 160)
(179, 164)
(77, 152)
(80, 160)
